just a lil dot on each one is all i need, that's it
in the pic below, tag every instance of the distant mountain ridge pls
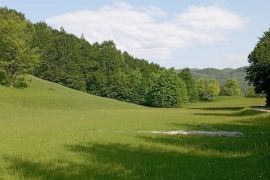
(222, 75)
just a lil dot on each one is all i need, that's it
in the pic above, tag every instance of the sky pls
(172, 33)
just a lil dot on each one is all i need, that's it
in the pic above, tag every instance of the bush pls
(208, 89)
(230, 88)
(167, 90)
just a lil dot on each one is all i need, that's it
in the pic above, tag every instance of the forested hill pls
(222, 75)
(100, 68)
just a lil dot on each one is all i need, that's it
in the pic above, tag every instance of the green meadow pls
(48, 131)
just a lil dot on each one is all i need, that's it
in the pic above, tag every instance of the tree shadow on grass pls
(240, 113)
(256, 133)
(254, 145)
(22, 82)
(219, 108)
(164, 157)
(118, 161)
(258, 125)
(60, 169)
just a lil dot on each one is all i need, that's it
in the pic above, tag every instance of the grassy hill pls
(48, 131)
(223, 75)
(43, 94)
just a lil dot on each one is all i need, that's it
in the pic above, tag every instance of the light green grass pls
(48, 131)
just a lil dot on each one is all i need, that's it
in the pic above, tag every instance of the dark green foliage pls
(258, 73)
(267, 99)
(60, 57)
(17, 57)
(230, 88)
(192, 91)
(98, 68)
(107, 79)
(136, 88)
(168, 90)
(3, 77)
(141, 65)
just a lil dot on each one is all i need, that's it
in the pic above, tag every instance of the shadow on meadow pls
(164, 157)
(117, 161)
(219, 108)
(237, 112)
(253, 147)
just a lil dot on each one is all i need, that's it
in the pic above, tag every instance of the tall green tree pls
(192, 90)
(135, 88)
(258, 72)
(168, 90)
(17, 57)
(230, 88)
(107, 76)
(60, 57)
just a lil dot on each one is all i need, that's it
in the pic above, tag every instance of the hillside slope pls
(48, 131)
(223, 75)
(43, 94)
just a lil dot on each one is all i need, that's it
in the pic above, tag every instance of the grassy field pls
(51, 132)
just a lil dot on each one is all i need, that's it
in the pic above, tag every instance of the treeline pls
(223, 75)
(100, 68)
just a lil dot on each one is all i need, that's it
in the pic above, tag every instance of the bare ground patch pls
(180, 132)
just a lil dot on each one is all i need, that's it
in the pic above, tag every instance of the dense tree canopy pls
(192, 90)
(100, 68)
(258, 73)
(60, 57)
(17, 57)
(167, 90)
(230, 88)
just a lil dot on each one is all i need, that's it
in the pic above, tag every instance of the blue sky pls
(174, 33)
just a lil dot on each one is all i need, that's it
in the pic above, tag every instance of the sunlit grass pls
(49, 132)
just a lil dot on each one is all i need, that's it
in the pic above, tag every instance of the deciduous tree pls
(17, 57)
(258, 72)
(230, 88)
(208, 89)
(168, 90)
(192, 90)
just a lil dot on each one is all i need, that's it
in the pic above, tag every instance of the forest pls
(102, 69)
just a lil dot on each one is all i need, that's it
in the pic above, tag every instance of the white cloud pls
(149, 32)
(210, 18)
